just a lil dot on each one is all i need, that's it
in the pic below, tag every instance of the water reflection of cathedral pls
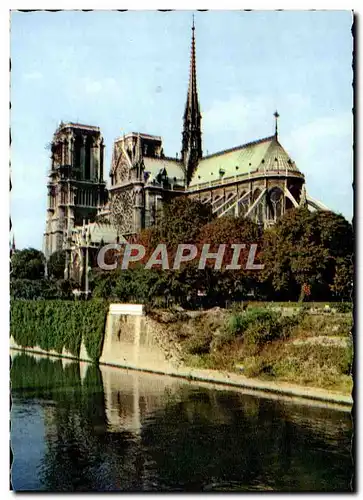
(258, 180)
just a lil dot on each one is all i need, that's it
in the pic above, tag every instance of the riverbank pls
(292, 349)
(296, 351)
(220, 378)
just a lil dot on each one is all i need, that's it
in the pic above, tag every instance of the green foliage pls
(154, 287)
(27, 264)
(253, 324)
(94, 315)
(306, 361)
(57, 325)
(21, 288)
(181, 220)
(236, 324)
(308, 248)
(260, 333)
(255, 366)
(342, 285)
(302, 251)
(344, 307)
(33, 289)
(339, 325)
(318, 365)
(252, 329)
(56, 264)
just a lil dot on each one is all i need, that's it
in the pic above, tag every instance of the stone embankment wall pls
(133, 340)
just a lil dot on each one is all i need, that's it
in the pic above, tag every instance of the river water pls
(77, 427)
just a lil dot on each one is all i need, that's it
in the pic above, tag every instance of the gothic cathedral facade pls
(258, 180)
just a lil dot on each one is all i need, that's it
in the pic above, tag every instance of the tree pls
(27, 264)
(342, 285)
(302, 250)
(181, 220)
(39, 289)
(221, 285)
(56, 264)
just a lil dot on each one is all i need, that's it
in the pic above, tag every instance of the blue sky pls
(128, 71)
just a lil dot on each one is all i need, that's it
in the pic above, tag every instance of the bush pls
(238, 324)
(262, 332)
(199, 344)
(288, 323)
(344, 307)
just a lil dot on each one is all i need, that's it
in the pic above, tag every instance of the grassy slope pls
(303, 348)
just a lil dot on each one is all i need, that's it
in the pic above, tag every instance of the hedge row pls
(54, 325)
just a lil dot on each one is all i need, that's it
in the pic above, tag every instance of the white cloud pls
(33, 75)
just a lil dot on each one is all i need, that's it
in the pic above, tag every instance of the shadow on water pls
(113, 429)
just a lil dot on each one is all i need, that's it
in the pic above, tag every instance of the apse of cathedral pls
(257, 180)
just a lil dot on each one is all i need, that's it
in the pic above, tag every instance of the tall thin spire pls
(192, 100)
(192, 136)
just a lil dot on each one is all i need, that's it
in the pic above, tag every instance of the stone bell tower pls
(75, 182)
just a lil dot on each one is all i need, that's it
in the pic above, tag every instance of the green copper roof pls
(174, 168)
(264, 154)
(277, 159)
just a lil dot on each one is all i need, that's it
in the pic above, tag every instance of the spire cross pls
(193, 27)
(276, 115)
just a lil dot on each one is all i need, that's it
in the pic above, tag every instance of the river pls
(77, 427)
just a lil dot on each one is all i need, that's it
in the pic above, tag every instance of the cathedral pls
(258, 180)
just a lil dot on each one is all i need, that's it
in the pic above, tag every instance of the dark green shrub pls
(94, 325)
(239, 323)
(236, 324)
(53, 324)
(40, 289)
(261, 332)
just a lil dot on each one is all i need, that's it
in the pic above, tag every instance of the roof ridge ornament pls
(276, 115)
